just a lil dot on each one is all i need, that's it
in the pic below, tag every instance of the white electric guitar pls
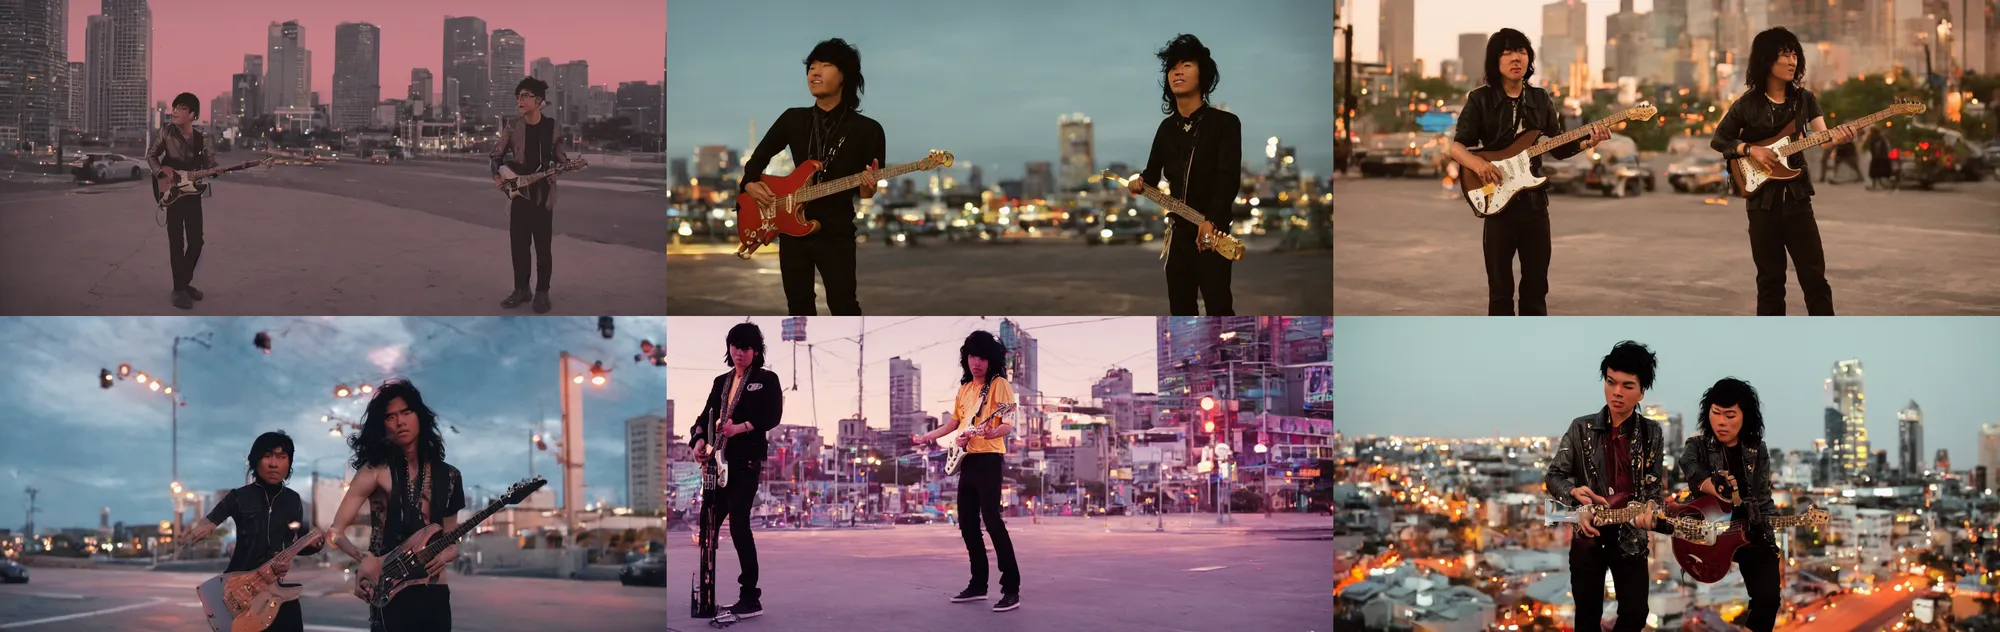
(953, 452)
(1748, 176)
(515, 185)
(1515, 163)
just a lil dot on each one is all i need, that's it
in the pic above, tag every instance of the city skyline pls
(1478, 378)
(1073, 355)
(1440, 22)
(618, 49)
(85, 447)
(966, 78)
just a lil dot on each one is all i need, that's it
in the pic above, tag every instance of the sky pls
(198, 44)
(987, 81)
(1474, 377)
(1074, 354)
(1439, 23)
(86, 448)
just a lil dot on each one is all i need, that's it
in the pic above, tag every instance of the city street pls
(1077, 574)
(348, 238)
(1875, 611)
(1039, 277)
(79, 599)
(1408, 247)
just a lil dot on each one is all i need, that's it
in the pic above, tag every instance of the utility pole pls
(860, 394)
(30, 527)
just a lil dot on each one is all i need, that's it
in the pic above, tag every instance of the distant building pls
(1910, 439)
(646, 463)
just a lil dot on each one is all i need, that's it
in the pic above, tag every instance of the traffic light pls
(104, 378)
(604, 327)
(263, 342)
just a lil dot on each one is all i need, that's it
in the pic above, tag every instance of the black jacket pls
(851, 142)
(762, 406)
(1703, 456)
(1202, 158)
(1580, 462)
(1488, 122)
(1751, 119)
(264, 517)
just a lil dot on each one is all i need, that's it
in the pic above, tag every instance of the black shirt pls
(1201, 156)
(395, 518)
(1492, 120)
(183, 152)
(540, 147)
(842, 140)
(268, 519)
(1755, 118)
(762, 405)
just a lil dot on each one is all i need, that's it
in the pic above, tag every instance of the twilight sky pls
(87, 448)
(1439, 22)
(199, 44)
(986, 81)
(1074, 352)
(1474, 377)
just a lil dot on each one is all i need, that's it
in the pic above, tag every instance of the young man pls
(1494, 115)
(1781, 213)
(182, 148)
(269, 518)
(1606, 454)
(1728, 458)
(401, 473)
(745, 416)
(1199, 149)
(983, 387)
(529, 144)
(834, 132)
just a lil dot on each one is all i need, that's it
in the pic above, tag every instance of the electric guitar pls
(247, 601)
(955, 453)
(406, 565)
(715, 468)
(1705, 539)
(757, 226)
(1220, 241)
(1516, 167)
(515, 185)
(714, 475)
(1748, 176)
(168, 190)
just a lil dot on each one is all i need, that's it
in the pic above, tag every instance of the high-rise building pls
(1077, 146)
(420, 88)
(1024, 361)
(1472, 56)
(1628, 43)
(510, 64)
(1943, 463)
(1910, 439)
(1450, 70)
(1398, 37)
(288, 79)
(570, 92)
(1979, 482)
(1038, 183)
(1845, 388)
(97, 74)
(646, 463)
(678, 170)
(1114, 393)
(246, 92)
(253, 65)
(543, 69)
(79, 97)
(640, 103)
(448, 107)
(357, 74)
(906, 415)
(711, 161)
(34, 67)
(129, 78)
(1989, 447)
(465, 61)
(1564, 57)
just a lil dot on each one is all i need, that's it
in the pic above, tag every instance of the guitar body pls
(168, 190)
(1748, 177)
(406, 557)
(757, 226)
(516, 185)
(1706, 562)
(1516, 175)
(952, 457)
(248, 601)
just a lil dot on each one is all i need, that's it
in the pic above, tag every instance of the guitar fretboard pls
(831, 187)
(1172, 205)
(464, 527)
(1573, 135)
(1821, 137)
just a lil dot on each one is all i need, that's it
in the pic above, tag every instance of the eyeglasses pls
(524, 96)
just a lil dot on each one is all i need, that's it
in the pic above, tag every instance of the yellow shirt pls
(968, 398)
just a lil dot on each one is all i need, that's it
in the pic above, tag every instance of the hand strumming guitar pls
(1137, 186)
(761, 193)
(1584, 496)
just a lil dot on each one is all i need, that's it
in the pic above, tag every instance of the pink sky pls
(198, 45)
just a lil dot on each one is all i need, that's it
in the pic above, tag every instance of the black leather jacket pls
(1751, 119)
(1488, 122)
(1580, 462)
(1703, 456)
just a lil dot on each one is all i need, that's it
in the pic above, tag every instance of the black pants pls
(734, 500)
(1789, 227)
(1759, 565)
(1196, 278)
(426, 608)
(1589, 559)
(1523, 228)
(290, 618)
(830, 252)
(184, 239)
(979, 492)
(531, 222)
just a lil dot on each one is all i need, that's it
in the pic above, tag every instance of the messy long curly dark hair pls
(984, 345)
(1730, 391)
(745, 336)
(847, 58)
(373, 445)
(1182, 48)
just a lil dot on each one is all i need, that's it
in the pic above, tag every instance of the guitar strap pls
(822, 145)
(1187, 186)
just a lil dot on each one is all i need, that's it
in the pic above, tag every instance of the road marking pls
(587, 184)
(1206, 568)
(334, 628)
(23, 624)
(57, 596)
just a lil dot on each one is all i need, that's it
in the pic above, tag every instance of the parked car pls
(1565, 175)
(650, 570)
(1699, 174)
(1620, 177)
(13, 573)
(1125, 228)
(914, 518)
(107, 167)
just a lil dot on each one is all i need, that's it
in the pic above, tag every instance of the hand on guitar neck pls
(1205, 240)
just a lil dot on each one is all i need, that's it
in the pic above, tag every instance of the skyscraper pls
(131, 71)
(79, 97)
(97, 74)
(1037, 183)
(1398, 37)
(253, 65)
(288, 78)
(571, 90)
(465, 61)
(246, 93)
(1564, 58)
(1989, 447)
(646, 463)
(1024, 361)
(1845, 388)
(1472, 56)
(453, 95)
(357, 74)
(1628, 42)
(906, 415)
(34, 64)
(420, 87)
(509, 59)
(1910, 439)
(1077, 148)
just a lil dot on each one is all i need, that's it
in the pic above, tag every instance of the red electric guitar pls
(757, 226)
(1705, 539)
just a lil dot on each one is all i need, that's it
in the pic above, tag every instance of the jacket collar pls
(1601, 422)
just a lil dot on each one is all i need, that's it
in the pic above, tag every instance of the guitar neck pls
(1821, 137)
(464, 527)
(1786, 522)
(1172, 205)
(209, 173)
(300, 545)
(1572, 136)
(831, 187)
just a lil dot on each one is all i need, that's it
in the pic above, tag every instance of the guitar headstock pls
(937, 158)
(521, 490)
(1643, 112)
(1814, 516)
(1908, 107)
(574, 164)
(1109, 175)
